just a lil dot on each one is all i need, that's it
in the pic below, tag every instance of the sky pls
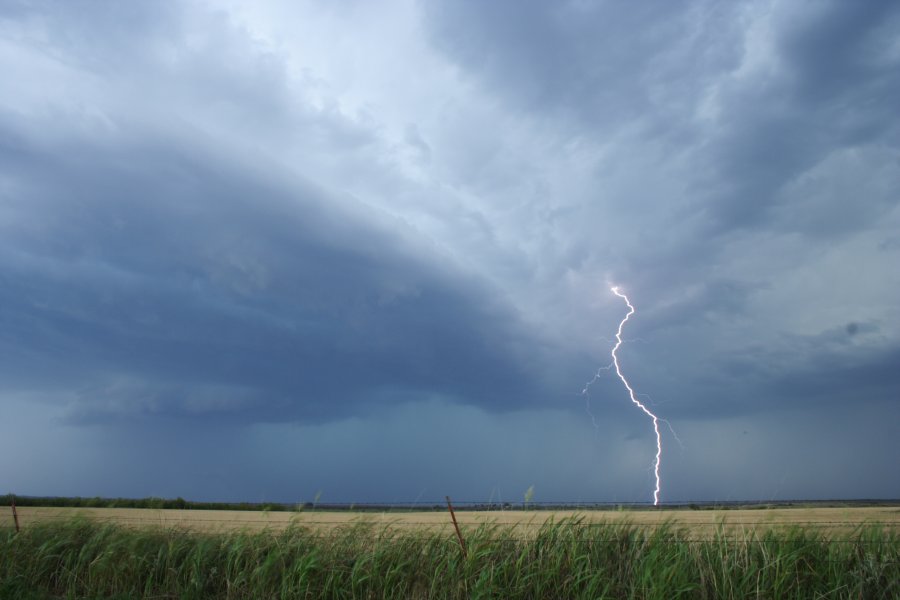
(362, 251)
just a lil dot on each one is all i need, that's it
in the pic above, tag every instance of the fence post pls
(462, 544)
(15, 514)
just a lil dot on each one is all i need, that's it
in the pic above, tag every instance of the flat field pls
(704, 522)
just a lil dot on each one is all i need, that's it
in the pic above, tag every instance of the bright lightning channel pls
(615, 290)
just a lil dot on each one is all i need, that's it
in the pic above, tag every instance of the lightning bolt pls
(615, 362)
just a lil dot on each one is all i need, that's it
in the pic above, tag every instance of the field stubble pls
(830, 521)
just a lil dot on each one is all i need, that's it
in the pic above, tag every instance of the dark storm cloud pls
(776, 122)
(371, 246)
(156, 272)
(165, 280)
(833, 87)
(826, 369)
(832, 84)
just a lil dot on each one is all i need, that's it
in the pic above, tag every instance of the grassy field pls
(138, 553)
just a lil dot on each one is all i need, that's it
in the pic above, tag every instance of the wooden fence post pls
(15, 514)
(462, 544)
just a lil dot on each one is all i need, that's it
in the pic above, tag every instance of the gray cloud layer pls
(149, 282)
(368, 226)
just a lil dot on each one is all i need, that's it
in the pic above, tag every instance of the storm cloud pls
(348, 242)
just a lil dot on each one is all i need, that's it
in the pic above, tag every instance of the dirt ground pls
(701, 522)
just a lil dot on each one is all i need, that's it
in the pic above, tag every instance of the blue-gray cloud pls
(160, 279)
(337, 235)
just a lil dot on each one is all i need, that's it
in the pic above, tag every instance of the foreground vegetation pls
(570, 559)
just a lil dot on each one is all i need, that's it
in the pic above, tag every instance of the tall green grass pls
(569, 559)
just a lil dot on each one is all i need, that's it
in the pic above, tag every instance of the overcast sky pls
(267, 250)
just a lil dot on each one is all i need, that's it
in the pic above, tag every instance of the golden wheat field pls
(830, 520)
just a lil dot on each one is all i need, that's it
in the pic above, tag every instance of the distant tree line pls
(98, 502)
